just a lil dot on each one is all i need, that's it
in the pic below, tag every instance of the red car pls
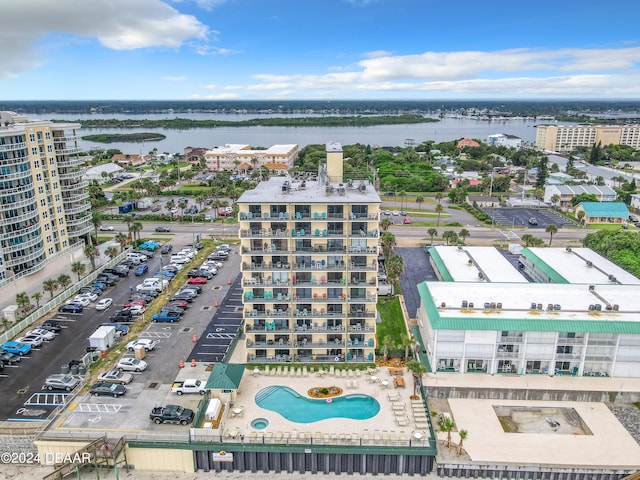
(135, 301)
(179, 303)
(197, 281)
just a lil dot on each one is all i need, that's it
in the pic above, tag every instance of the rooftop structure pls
(473, 264)
(573, 265)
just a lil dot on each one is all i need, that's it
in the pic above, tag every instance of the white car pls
(142, 287)
(82, 300)
(395, 213)
(115, 376)
(47, 335)
(90, 295)
(104, 303)
(137, 310)
(33, 341)
(131, 364)
(147, 343)
(106, 228)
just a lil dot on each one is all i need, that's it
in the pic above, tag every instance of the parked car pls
(131, 364)
(101, 285)
(116, 376)
(92, 296)
(171, 268)
(164, 316)
(110, 280)
(135, 301)
(106, 228)
(33, 340)
(182, 296)
(121, 328)
(141, 296)
(172, 414)
(47, 335)
(118, 272)
(61, 381)
(137, 310)
(146, 343)
(179, 303)
(197, 281)
(95, 290)
(16, 347)
(80, 299)
(142, 269)
(70, 308)
(9, 358)
(123, 316)
(107, 388)
(166, 249)
(162, 229)
(406, 220)
(53, 325)
(104, 303)
(533, 221)
(172, 309)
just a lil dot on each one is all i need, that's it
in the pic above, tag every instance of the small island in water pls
(124, 137)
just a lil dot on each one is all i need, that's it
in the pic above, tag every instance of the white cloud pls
(206, 4)
(116, 24)
(180, 78)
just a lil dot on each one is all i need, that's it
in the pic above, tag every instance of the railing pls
(20, 189)
(81, 208)
(12, 146)
(21, 246)
(71, 162)
(27, 216)
(20, 203)
(16, 175)
(67, 187)
(80, 231)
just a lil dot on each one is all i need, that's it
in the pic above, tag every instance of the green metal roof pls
(440, 265)
(605, 209)
(593, 322)
(543, 266)
(225, 376)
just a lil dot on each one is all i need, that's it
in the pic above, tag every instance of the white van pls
(180, 259)
(163, 282)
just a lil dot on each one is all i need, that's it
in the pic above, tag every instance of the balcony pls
(70, 162)
(79, 231)
(68, 151)
(35, 255)
(264, 233)
(263, 328)
(17, 190)
(71, 175)
(12, 146)
(28, 217)
(75, 198)
(79, 209)
(37, 240)
(25, 202)
(23, 231)
(16, 175)
(72, 222)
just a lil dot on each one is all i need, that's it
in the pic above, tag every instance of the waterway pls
(383, 135)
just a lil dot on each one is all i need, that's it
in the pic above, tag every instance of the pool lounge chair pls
(317, 438)
(394, 396)
(422, 425)
(304, 371)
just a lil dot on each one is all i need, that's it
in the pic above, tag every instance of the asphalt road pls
(417, 269)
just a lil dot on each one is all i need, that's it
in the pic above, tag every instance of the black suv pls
(117, 272)
(163, 229)
(168, 248)
(122, 316)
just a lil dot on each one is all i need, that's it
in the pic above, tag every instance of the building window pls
(41, 190)
(38, 177)
(32, 137)
(50, 251)
(36, 164)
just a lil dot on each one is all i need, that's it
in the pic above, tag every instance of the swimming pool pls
(296, 408)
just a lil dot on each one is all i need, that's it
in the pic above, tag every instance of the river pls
(383, 135)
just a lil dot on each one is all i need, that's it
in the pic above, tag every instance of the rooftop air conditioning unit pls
(592, 288)
(487, 305)
(459, 248)
(539, 306)
(557, 307)
(499, 305)
(592, 307)
(612, 278)
(493, 305)
(470, 262)
(470, 304)
(533, 305)
(598, 307)
(608, 307)
(550, 307)
(480, 275)
(616, 307)
(465, 304)
(443, 305)
(589, 263)
(568, 249)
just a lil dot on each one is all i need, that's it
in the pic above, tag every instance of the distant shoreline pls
(124, 137)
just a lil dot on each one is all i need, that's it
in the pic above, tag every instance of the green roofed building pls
(603, 212)
(530, 328)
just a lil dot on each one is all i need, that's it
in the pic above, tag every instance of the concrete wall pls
(530, 394)
(160, 459)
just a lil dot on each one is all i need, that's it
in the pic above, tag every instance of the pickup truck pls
(172, 414)
(190, 385)
(164, 316)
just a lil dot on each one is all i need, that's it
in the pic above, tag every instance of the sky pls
(318, 49)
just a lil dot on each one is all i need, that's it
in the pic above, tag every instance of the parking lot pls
(417, 269)
(519, 217)
(24, 399)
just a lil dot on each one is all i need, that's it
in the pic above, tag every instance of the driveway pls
(417, 269)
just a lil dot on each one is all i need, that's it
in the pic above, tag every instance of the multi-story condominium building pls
(504, 139)
(564, 138)
(309, 267)
(565, 194)
(243, 157)
(44, 206)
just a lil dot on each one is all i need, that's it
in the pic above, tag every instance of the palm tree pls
(409, 342)
(447, 425)
(419, 200)
(417, 369)
(387, 345)
(463, 436)
(555, 199)
(439, 209)
(395, 267)
(403, 196)
(551, 229)
(432, 233)
(439, 196)
(37, 296)
(63, 280)
(580, 215)
(463, 234)
(388, 241)
(96, 220)
(136, 227)
(122, 239)
(91, 253)
(22, 300)
(111, 251)
(182, 205)
(79, 268)
(50, 286)
(385, 223)
(128, 220)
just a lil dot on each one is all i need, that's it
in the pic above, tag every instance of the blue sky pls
(318, 49)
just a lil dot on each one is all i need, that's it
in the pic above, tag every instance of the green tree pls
(445, 424)
(135, 229)
(543, 172)
(450, 236)
(432, 233)
(417, 370)
(419, 201)
(555, 199)
(23, 302)
(385, 223)
(463, 234)
(96, 221)
(37, 297)
(388, 241)
(439, 210)
(386, 346)
(395, 266)
(63, 280)
(463, 434)
(580, 216)
(79, 268)
(91, 253)
(122, 239)
(551, 230)
(50, 286)
(111, 252)
(439, 196)
(583, 197)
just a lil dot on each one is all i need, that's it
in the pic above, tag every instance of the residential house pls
(603, 212)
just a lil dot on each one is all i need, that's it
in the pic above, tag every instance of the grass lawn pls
(392, 323)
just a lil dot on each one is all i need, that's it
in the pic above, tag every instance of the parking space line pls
(98, 408)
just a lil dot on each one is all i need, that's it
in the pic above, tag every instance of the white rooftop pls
(309, 191)
(572, 265)
(466, 264)
(517, 299)
(235, 148)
